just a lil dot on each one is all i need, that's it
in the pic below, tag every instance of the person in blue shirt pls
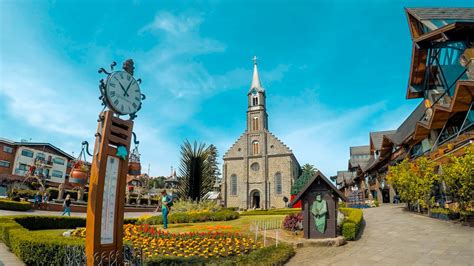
(37, 203)
(166, 203)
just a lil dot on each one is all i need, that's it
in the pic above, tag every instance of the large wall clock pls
(122, 93)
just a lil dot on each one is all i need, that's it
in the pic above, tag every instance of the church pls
(259, 169)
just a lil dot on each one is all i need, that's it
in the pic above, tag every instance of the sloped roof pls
(256, 84)
(308, 184)
(407, 128)
(359, 150)
(377, 137)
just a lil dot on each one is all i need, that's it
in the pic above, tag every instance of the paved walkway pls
(7, 258)
(393, 236)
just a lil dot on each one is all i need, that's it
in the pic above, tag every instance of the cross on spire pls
(254, 59)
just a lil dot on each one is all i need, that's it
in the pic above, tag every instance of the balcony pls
(43, 162)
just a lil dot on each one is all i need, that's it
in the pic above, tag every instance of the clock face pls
(123, 93)
(254, 91)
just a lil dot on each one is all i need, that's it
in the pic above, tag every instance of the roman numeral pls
(136, 98)
(129, 109)
(121, 107)
(116, 102)
(128, 77)
(112, 93)
(121, 75)
(112, 85)
(134, 105)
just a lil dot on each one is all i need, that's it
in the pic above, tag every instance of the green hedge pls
(286, 211)
(183, 217)
(24, 236)
(271, 255)
(11, 205)
(35, 247)
(352, 222)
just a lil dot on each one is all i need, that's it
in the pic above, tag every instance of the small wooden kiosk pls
(319, 198)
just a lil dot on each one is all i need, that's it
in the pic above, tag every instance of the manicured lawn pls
(242, 224)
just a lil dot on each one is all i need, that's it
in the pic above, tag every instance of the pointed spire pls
(255, 79)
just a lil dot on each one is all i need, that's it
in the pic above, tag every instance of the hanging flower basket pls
(134, 168)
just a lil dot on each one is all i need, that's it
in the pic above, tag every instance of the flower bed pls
(154, 242)
(293, 222)
(6, 204)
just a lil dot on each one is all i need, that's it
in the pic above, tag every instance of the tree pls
(458, 174)
(309, 168)
(198, 169)
(307, 171)
(157, 182)
(414, 181)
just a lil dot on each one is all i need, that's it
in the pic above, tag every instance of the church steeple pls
(256, 79)
(256, 114)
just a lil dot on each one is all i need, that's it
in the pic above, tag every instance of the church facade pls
(259, 169)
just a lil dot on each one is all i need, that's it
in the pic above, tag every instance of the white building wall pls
(28, 161)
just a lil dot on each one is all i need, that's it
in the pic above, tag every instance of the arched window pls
(255, 123)
(278, 185)
(233, 185)
(254, 100)
(255, 147)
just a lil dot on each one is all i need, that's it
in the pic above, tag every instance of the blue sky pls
(333, 71)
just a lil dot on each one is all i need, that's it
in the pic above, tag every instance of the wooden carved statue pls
(319, 211)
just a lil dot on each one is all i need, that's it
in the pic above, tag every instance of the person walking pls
(166, 203)
(45, 200)
(37, 203)
(67, 205)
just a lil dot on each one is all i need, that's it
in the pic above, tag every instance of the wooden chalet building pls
(442, 78)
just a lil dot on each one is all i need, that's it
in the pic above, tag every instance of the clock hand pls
(120, 85)
(126, 91)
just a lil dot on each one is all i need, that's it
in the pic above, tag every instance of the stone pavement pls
(393, 236)
(7, 258)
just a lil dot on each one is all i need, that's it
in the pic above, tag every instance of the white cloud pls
(174, 25)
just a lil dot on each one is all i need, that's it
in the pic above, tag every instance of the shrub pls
(376, 203)
(352, 223)
(271, 212)
(6, 204)
(189, 205)
(293, 222)
(349, 231)
(22, 193)
(440, 211)
(194, 217)
(34, 247)
(50, 222)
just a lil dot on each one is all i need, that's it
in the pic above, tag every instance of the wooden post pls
(105, 207)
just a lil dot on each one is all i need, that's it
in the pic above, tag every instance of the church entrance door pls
(255, 196)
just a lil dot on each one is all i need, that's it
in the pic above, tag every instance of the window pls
(58, 160)
(40, 156)
(278, 187)
(254, 100)
(255, 123)
(27, 153)
(255, 147)
(7, 149)
(57, 173)
(233, 185)
(255, 166)
(22, 167)
(5, 164)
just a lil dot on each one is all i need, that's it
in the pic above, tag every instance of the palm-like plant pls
(197, 170)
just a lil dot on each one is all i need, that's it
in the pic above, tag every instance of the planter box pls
(434, 215)
(443, 216)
